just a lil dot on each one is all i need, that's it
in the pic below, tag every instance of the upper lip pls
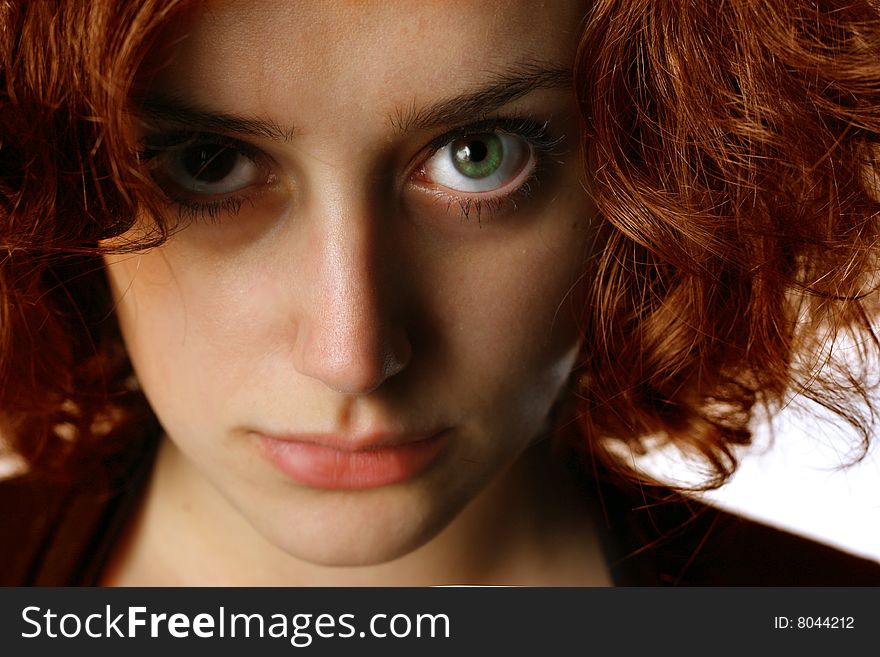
(355, 442)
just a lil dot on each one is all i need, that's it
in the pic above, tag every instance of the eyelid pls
(536, 134)
(533, 131)
(157, 142)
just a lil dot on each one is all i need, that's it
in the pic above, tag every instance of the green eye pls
(481, 162)
(478, 156)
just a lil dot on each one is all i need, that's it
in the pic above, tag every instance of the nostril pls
(354, 366)
(362, 380)
(370, 374)
(397, 356)
(392, 366)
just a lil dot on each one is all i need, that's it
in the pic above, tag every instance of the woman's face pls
(372, 306)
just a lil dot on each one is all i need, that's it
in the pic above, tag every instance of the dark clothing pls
(53, 535)
(659, 538)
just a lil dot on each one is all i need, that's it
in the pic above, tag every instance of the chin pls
(340, 552)
(358, 529)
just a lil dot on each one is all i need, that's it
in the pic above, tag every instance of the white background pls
(795, 477)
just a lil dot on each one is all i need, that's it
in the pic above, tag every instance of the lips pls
(359, 462)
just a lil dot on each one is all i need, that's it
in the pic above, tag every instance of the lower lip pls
(324, 466)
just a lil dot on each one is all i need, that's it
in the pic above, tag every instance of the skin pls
(350, 294)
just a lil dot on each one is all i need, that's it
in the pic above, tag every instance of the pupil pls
(209, 164)
(478, 156)
(475, 151)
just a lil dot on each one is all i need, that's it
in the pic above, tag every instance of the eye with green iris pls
(478, 156)
(481, 162)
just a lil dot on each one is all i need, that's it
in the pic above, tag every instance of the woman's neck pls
(532, 526)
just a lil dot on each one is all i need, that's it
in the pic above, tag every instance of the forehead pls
(340, 57)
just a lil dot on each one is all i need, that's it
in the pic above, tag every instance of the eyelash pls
(157, 144)
(535, 133)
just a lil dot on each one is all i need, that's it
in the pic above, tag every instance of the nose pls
(352, 337)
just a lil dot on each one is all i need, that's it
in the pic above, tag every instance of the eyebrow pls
(171, 109)
(502, 88)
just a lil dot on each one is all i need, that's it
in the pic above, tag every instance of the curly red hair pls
(68, 179)
(732, 151)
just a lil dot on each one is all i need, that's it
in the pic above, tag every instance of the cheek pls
(187, 328)
(509, 319)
